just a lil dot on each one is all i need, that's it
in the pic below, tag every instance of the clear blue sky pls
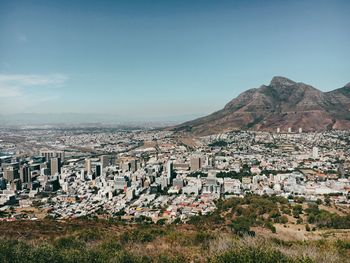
(155, 59)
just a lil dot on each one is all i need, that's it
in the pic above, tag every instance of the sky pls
(160, 60)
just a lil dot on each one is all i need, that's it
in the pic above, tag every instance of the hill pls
(281, 104)
(250, 229)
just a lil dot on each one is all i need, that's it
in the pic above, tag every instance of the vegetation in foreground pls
(102, 241)
(228, 235)
(108, 242)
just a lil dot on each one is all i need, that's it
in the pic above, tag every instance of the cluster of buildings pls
(160, 177)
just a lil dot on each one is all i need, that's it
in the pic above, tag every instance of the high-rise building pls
(104, 161)
(53, 154)
(133, 165)
(300, 130)
(5, 159)
(24, 174)
(170, 172)
(315, 152)
(278, 130)
(82, 175)
(196, 163)
(289, 130)
(88, 165)
(11, 173)
(98, 170)
(2, 183)
(55, 166)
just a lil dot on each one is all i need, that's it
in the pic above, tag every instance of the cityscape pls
(153, 131)
(163, 176)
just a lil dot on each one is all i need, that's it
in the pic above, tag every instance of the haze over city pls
(162, 60)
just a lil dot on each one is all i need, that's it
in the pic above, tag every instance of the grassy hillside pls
(242, 230)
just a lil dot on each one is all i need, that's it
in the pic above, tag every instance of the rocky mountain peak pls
(282, 104)
(281, 81)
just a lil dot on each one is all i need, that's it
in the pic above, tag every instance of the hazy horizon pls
(162, 60)
(17, 119)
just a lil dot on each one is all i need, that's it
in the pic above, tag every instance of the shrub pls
(241, 226)
(251, 254)
(307, 228)
(297, 210)
(270, 226)
(141, 235)
(68, 242)
(284, 220)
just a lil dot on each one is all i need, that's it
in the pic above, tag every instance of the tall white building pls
(82, 175)
(169, 170)
(104, 161)
(315, 152)
(88, 165)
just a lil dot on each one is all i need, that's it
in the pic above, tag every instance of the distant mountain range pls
(281, 104)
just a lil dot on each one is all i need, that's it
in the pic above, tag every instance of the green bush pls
(326, 219)
(68, 242)
(141, 235)
(297, 210)
(241, 226)
(284, 220)
(270, 226)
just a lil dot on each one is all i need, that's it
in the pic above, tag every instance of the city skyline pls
(174, 131)
(145, 60)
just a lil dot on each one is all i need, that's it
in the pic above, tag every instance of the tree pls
(241, 226)
(327, 200)
(297, 210)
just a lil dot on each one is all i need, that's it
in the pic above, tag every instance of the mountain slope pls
(283, 103)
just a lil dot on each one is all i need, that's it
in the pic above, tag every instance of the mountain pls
(283, 103)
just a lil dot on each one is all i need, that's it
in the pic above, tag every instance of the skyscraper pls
(55, 166)
(88, 165)
(170, 172)
(52, 154)
(82, 175)
(104, 161)
(98, 170)
(24, 174)
(315, 152)
(133, 165)
(195, 163)
(11, 173)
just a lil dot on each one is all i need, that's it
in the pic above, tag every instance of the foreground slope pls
(283, 103)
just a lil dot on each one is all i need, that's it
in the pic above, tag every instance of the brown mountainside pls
(283, 103)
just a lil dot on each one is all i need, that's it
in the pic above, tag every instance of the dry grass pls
(194, 245)
(321, 252)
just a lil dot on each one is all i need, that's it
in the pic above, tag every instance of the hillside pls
(283, 103)
(250, 229)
